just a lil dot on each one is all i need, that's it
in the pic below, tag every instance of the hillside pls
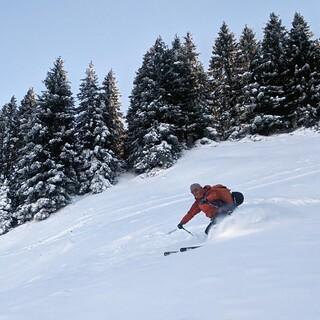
(102, 256)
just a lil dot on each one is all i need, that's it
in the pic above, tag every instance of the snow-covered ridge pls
(101, 257)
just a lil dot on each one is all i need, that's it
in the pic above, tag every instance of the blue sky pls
(116, 34)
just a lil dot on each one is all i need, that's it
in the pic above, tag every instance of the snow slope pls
(101, 257)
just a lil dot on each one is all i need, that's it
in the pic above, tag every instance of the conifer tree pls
(35, 173)
(9, 124)
(248, 55)
(24, 124)
(248, 46)
(58, 99)
(47, 164)
(185, 84)
(171, 81)
(198, 107)
(2, 131)
(98, 166)
(151, 139)
(315, 84)
(25, 113)
(224, 87)
(110, 98)
(272, 115)
(160, 147)
(300, 83)
(5, 210)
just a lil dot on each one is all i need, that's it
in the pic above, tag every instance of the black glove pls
(180, 226)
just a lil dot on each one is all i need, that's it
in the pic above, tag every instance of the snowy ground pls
(101, 257)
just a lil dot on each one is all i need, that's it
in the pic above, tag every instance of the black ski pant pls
(223, 211)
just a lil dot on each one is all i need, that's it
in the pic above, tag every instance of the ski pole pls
(172, 231)
(187, 231)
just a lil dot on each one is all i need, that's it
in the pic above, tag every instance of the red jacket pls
(211, 194)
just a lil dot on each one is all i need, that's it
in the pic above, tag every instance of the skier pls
(215, 201)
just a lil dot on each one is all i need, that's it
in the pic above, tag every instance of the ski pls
(167, 253)
(182, 249)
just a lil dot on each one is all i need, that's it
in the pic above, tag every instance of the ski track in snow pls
(288, 175)
(160, 203)
(286, 179)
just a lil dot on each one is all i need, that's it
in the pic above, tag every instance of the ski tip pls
(167, 253)
(183, 249)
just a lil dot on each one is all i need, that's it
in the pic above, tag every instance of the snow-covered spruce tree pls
(98, 165)
(224, 87)
(113, 118)
(5, 210)
(272, 114)
(185, 83)
(48, 159)
(24, 125)
(169, 80)
(9, 147)
(200, 117)
(25, 113)
(58, 103)
(300, 83)
(34, 172)
(315, 83)
(2, 130)
(151, 138)
(159, 144)
(248, 53)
